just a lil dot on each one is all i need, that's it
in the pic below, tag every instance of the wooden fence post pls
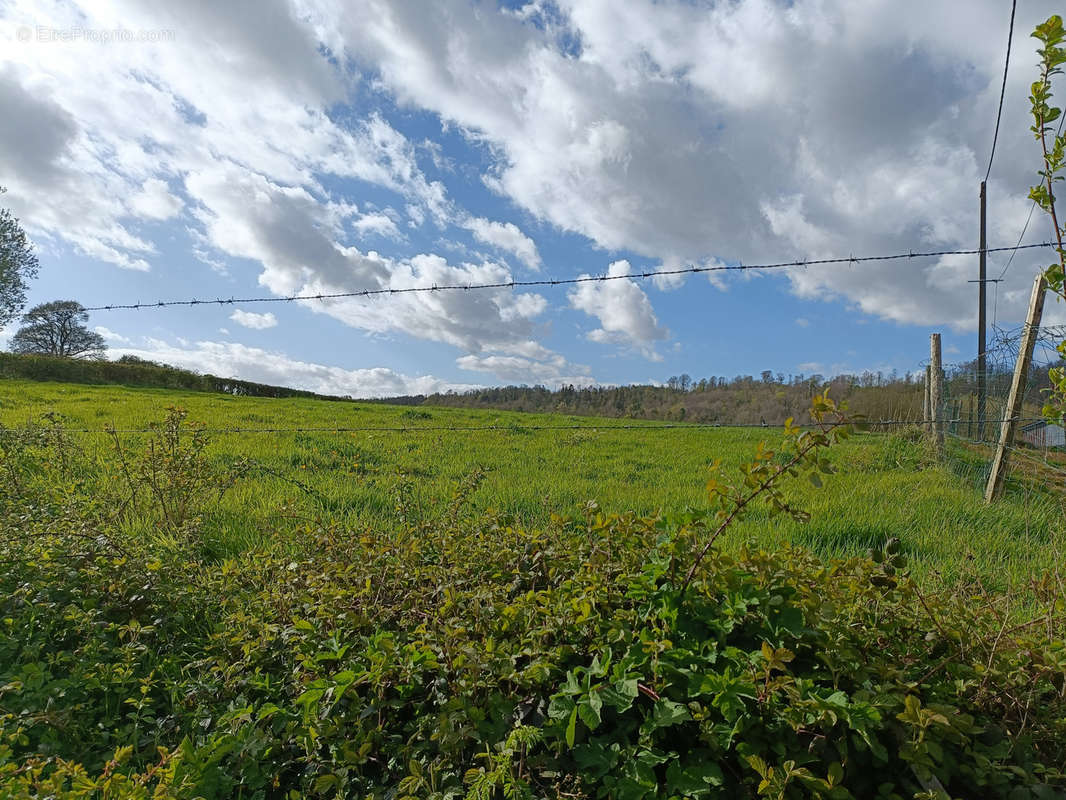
(936, 393)
(1013, 409)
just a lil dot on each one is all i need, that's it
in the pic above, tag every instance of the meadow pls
(888, 485)
(538, 610)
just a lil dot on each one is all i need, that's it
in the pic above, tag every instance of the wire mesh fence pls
(1036, 459)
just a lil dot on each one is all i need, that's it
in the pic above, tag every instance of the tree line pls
(134, 371)
(743, 399)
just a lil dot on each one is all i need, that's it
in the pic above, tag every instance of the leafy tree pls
(18, 265)
(58, 329)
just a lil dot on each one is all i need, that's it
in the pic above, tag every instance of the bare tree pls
(58, 329)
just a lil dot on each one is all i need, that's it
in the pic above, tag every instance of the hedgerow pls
(468, 656)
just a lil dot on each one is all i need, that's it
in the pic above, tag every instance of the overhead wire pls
(544, 282)
(1003, 88)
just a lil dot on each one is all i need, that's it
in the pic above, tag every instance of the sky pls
(159, 150)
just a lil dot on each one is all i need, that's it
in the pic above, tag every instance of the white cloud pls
(803, 322)
(518, 370)
(624, 311)
(233, 360)
(111, 336)
(505, 236)
(155, 201)
(295, 236)
(249, 319)
(96, 139)
(644, 126)
(377, 224)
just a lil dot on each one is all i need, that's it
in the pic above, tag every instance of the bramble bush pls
(459, 654)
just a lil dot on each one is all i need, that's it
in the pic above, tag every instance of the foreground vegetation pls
(445, 614)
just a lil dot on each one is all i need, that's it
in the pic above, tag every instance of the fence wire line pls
(515, 284)
(867, 423)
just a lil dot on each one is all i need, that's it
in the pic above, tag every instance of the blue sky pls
(167, 150)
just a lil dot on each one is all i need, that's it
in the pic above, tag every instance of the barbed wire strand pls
(543, 282)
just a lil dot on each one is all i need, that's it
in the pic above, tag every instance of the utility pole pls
(982, 363)
(982, 324)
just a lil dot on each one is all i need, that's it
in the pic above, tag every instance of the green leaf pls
(589, 715)
(696, 780)
(595, 760)
(571, 728)
(621, 694)
(836, 773)
(666, 713)
(561, 707)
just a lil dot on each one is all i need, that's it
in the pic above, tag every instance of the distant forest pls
(768, 399)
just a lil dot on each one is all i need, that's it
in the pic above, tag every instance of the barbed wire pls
(509, 428)
(544, 282)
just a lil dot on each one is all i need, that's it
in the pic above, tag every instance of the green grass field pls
(441, 614)
(887, 485)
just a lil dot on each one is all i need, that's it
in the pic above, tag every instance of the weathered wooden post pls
(1013, 410)
(936, 393)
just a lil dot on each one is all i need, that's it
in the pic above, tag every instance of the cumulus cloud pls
(155, 201)
(553, 373)
(295, 236)
(645, 127)
(233, 360)
(377, 223)
(505, 236)
(249, 319)
(624, 311)
(175, 108)
(110, 335)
